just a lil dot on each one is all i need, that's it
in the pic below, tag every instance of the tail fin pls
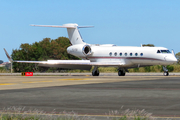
(8, 55)
(73, 32)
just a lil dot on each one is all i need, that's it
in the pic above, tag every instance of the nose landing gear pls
(166, 73)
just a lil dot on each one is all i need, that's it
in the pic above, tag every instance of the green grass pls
(21, 113)
(131, 115)
(156, 68)
(3, 70)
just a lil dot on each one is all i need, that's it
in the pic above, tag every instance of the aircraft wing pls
(70, 64)
(73, 62)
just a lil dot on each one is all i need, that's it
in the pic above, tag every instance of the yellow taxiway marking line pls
(76, 79)
(37, 82)
(6, 84)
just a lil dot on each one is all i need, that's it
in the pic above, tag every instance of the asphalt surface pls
(159, 95)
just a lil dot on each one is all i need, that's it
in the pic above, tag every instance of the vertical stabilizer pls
(74, 34)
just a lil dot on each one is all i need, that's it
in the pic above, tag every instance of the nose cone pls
(171, 59)
(174, 60)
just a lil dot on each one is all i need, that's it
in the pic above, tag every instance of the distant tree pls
(178, 57)
(47, 49)
(1, 61)
(150, 45)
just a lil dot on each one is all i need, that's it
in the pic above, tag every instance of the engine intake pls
(86, 50)
(80, 50)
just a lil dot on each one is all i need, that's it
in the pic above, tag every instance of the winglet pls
(8, 55)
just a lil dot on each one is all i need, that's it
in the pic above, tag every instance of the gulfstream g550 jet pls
(107, 55)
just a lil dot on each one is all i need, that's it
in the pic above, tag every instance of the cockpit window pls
(163, 51)
(158, 51)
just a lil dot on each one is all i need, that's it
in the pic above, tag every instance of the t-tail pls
(73, 32)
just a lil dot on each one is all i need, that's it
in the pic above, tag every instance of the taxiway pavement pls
(90, 95)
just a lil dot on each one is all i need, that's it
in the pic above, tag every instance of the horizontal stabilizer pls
(85, 26)
(54, 26)
(64, 26)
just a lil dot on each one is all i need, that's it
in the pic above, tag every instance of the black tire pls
(96, 73)
(121, 73)
(166, 73)
(93, 74)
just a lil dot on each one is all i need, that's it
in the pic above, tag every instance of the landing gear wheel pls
(166, 73)
(121, 73)
(96, 73)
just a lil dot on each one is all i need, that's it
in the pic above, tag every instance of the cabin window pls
(125, 54)
(141, 54)
(136, 54)
(120, 54)
(115, 54)
(131, 54)
(110, 53)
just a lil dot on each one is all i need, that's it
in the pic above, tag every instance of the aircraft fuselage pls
(130, 56)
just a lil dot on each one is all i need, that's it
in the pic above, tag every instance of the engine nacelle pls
(80, 50)
(86, 50)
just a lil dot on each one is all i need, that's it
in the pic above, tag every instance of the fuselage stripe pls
(139, 58)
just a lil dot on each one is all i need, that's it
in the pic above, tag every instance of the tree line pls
(47, 49)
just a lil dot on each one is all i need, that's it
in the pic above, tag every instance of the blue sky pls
(120, 22)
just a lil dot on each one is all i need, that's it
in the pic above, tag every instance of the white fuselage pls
(130, 56)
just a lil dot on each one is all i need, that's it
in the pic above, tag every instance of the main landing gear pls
(121, 72)
(166, 73)
(95, 71)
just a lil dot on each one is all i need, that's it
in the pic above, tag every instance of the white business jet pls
(106, 55)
